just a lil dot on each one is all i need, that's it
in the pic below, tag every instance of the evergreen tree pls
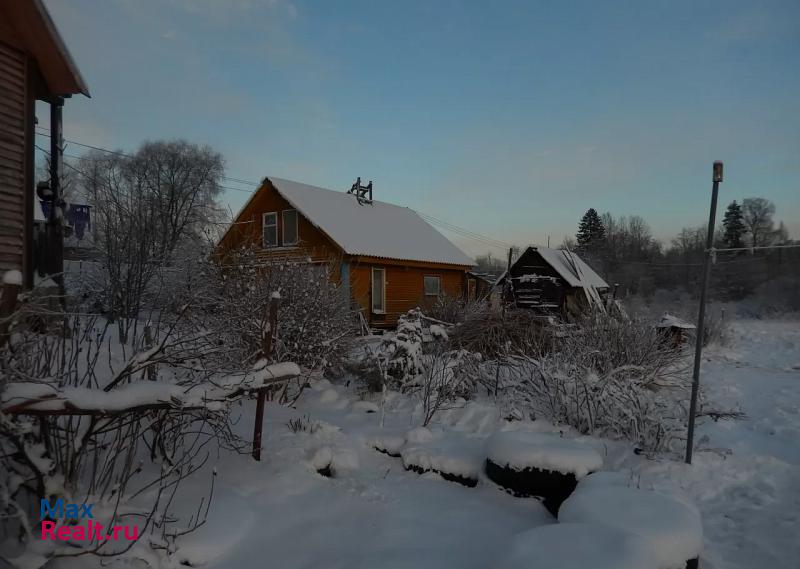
(591, 231)
(733, 224)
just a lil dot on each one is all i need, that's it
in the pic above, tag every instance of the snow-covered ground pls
(747, 484)
(375, 514)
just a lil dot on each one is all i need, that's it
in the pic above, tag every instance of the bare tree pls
(145, 207)
(757, 214)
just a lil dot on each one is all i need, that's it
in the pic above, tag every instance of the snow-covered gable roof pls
(670, 321)
(565, 264)
(571, 268)
(378, 229)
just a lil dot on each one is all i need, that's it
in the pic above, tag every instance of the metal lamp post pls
(701, 317)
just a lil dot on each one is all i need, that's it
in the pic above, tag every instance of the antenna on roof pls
(363, 193)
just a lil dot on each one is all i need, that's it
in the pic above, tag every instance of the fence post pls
(269, 343)
(701, 317)
(148, 340)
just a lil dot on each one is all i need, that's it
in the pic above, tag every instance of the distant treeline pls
(623, 250)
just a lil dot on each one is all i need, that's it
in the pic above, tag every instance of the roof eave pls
(79, 86)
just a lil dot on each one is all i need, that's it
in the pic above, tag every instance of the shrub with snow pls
(611, 378)
(315, 323)
(403, 349)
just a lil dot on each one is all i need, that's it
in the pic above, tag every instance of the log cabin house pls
(34, 65)
(552, 281)
(388, 259)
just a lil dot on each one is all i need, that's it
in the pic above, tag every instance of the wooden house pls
(34, 65)
(552, 281)
(388, 259)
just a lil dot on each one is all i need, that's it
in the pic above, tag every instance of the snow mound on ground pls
(454, 455)
(577, 546)
(604, 479)
(388, 442)
(337, 459)
(320, 384)
(672, 528)
(419, 435)
(329, 396)
(365, 406)
(323, 457)
(520, 450)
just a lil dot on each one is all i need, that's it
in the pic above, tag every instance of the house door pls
(378, 291)
(470, 289)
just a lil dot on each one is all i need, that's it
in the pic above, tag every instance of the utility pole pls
(701, 317)
(55, 223)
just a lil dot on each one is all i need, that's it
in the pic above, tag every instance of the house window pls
(433, 285)
(290, 227)
(378, 291)
(269, 229)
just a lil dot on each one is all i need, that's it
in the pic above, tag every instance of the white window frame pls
(264, 226)
(438, 287)
(296, 227)
(372, 291)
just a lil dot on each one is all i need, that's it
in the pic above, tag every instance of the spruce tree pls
(733, 224)
(591, 231)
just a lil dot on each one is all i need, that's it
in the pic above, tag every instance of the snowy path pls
(750, 498)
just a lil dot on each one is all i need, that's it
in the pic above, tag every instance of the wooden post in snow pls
(269, 341)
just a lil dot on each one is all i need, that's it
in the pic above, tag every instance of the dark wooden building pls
(34, 65)
(552, 281)
(386, 256)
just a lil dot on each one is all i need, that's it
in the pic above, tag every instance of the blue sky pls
(507, 118)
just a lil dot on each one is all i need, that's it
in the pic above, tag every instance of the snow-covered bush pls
(453, 309)
(434, 373)
(315, 322)
(611, 378)
(447, 375)
(403, 349)
(110, 439)
(496, 336)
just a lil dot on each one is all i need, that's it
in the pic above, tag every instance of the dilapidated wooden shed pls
(554, 281)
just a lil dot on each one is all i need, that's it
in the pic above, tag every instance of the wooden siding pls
(13, 165)
(247, 230)
(404, 288)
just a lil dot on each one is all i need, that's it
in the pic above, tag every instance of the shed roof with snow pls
(375, 229)
(568, 265)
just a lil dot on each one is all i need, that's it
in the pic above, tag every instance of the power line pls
(465, 232)
(760, 247)
(123, 154)
(461, 231)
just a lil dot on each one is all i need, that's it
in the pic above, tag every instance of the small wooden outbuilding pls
(554, 281)
(674, 329)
